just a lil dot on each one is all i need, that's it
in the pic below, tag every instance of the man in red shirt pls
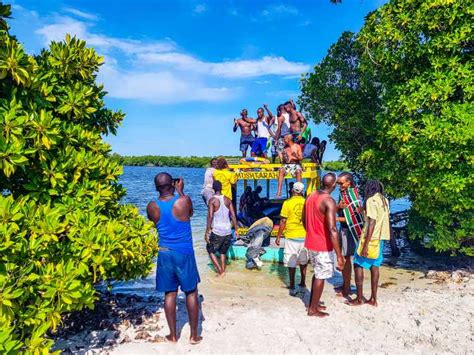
(321, 240)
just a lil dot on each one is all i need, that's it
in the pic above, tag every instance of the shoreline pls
(251, 311)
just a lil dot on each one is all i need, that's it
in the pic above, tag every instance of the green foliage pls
(412, 106)
(160, 160)
(62, 229)
(337, 165)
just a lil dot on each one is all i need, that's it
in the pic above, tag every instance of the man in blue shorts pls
(247, 126)
(176, 264)
(259, 147)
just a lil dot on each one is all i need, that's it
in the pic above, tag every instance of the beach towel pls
(354, 220)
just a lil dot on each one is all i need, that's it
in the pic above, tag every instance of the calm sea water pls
(140, 190)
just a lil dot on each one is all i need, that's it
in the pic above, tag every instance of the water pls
(140, 190)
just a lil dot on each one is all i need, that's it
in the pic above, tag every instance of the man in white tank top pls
(259, 146)
(219, 227)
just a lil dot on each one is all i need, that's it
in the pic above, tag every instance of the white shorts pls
(323, 263)
(294, 253)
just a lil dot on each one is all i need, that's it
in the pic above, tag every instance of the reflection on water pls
(140, 190)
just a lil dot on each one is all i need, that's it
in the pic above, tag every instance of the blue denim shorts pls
(175, 269)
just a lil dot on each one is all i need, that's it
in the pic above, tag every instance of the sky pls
(182, 70)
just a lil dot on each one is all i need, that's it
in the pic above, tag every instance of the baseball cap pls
(298, 187)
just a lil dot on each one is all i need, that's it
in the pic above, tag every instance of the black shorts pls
(218, 244)
(346, 242)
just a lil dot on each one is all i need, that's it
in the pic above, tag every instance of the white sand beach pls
(251, 312)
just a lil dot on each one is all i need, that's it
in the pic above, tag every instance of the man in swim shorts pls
(247, 125)
(292, 156)
(298, 123)
(176, 264)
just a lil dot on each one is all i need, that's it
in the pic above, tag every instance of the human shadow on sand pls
(119, 318)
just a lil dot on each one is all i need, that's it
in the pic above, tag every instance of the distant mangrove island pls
(197, 162)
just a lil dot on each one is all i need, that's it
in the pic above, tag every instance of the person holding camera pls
(176, 264)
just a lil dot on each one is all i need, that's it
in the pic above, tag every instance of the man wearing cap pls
(291, 225)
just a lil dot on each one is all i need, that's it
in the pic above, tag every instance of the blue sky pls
(181, 70)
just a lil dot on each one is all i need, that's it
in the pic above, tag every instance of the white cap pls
(298, 187)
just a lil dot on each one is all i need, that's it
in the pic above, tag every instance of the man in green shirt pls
(291, 225)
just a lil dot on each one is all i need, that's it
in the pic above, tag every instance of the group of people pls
(307, 223)
(287, 133)
(311, 236)
(271, 130)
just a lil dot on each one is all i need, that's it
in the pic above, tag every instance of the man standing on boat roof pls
(283, 129)
(218, 234)
(298, 123)
(321, 240)
(247, 125)
(259, 147)
(291, 225)
(292, 156)
(176, 263)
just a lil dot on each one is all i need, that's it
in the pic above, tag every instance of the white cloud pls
(159, 71)
(64, 24)
(278, 10)
(200, 9)
(81, 14)
(228, 69)
(161, 87)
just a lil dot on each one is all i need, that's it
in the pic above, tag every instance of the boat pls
(248, 172)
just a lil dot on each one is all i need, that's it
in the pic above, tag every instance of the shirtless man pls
(298, 123)
(283, 129)
(247, 125)
(292, 156)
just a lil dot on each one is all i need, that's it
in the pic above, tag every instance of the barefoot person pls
(291, 225)
(292, 157)
(246, 125)
(176, 264)
(376, 231)
(350, 226)
(219, 228)
(321, 240)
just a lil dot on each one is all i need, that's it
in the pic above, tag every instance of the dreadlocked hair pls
(372, 188)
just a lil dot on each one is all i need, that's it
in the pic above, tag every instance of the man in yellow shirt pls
(225, 177)
(291, 225)
(369, 253)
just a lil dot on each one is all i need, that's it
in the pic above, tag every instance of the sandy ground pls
(251, 312)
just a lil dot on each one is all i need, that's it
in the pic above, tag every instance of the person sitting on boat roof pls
(226, 177)
(259, 147)
(219, 227)
(298, 123)
(292, 157)
(291, 225)
(246, 125)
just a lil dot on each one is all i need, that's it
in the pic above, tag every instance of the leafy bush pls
(399, 95)
(62, 228)
(336, 165)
